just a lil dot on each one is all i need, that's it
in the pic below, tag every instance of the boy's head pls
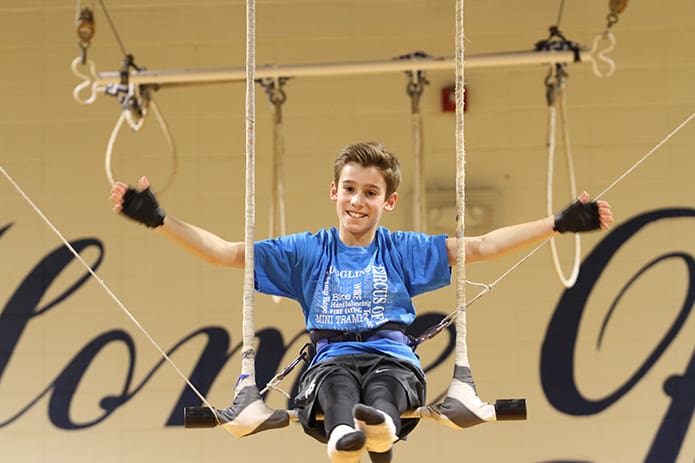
(370, 154)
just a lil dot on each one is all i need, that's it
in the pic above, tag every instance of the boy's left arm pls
(580, 216)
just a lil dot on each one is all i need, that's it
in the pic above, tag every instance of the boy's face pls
(360, 200)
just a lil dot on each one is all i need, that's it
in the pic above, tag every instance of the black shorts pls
(362, 367)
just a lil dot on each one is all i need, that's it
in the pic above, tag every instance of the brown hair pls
(370, 154)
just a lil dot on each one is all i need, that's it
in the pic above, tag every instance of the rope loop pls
(136, 101)
(569, 281)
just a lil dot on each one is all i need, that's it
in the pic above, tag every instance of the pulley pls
(85, 26)
(617, 6)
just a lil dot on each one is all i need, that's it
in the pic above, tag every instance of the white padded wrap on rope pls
(462, 407)
(249, 414)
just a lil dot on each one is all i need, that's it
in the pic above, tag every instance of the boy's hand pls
(583, 215)
(140, 205)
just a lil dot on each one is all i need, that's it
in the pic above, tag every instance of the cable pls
(113, 27)
(644, 158)
(559, 13)
(452, 316)
(103, 284)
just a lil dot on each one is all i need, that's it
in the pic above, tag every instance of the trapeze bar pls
(505, 410)
(191, 76)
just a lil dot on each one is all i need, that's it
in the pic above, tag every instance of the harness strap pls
(394, 331)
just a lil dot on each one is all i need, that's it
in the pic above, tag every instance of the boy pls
(355, 285)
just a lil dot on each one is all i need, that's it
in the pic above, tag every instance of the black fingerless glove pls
(142, 207)
(578, 217)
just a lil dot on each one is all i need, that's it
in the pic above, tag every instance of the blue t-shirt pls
(353, 289)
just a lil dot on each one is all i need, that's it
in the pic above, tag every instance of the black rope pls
(129, 102)
(558, 42)
(113, 27)
(559, 13)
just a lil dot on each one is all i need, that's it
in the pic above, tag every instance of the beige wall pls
(54, 149)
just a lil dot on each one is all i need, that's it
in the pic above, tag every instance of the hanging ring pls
(568, 282)
(167, 136)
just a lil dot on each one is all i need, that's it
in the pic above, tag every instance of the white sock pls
(381, 433)
(345, 444)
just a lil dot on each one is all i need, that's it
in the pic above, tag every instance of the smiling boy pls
(355, 286)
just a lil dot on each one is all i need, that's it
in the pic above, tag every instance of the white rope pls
(103, 285)
(109, 148)
(420, 207)
(89, 81)
(277, 224)
(248, 367)
(420, 188)
(136, 126)
(461, 346)
(568, 282)
(598, 57)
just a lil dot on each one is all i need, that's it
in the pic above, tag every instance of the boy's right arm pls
(196, 240)
(203, 243)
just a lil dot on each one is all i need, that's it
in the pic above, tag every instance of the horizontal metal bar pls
(190, 76)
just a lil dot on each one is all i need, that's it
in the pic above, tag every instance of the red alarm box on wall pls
(449, 98)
